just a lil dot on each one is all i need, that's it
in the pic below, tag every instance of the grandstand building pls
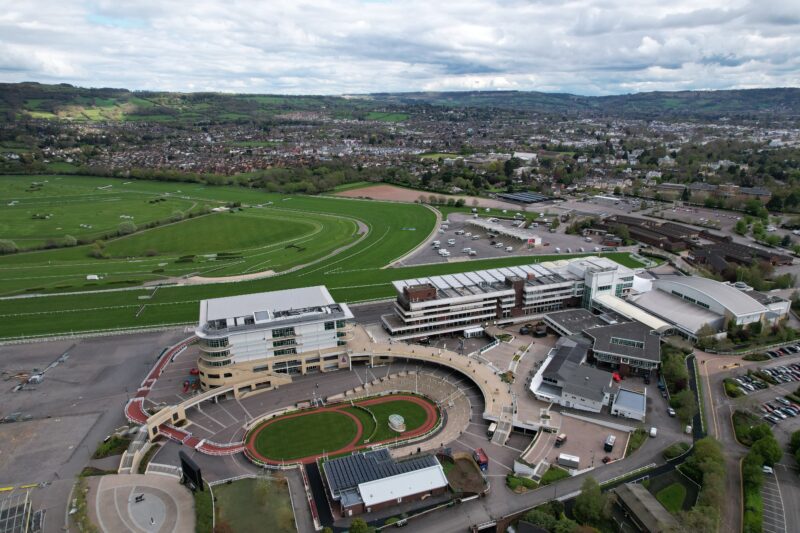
(452, 303)
(293, 331)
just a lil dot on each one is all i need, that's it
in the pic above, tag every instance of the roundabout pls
(303, 436)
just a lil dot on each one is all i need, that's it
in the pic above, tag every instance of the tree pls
(685, 405)
(741, 227)
(673, 367)
(126, 228)
(8, 246)
(69, 240)
(358, 526)
(565, 525)
(541, 519)
(590, 503)
(326, 529)
(555, 223)
(686, 195)
(794, 443)
(768, 448)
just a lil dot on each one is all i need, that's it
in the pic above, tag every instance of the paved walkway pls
(167, 507)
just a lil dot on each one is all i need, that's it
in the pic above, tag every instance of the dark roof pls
(651, 351)
(524, 197)
(567, 351)
(565, 367)
(647, 510)
(764, 298)
(348, 472)
(575, 320)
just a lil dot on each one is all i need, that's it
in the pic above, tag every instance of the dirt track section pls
(399, 194)
(430, 422)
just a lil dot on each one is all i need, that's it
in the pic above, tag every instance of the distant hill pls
(35, 100)
(701, 104)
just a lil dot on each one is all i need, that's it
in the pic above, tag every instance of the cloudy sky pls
(348, 46)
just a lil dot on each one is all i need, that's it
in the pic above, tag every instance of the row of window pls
(286, 351)
(627, 342)
(283, 332)
(690, 299)
(285, 342)
(216, 343)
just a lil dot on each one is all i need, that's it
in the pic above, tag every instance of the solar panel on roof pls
(464, 280)
(439, 283)
(451, 280)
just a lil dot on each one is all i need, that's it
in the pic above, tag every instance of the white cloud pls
(350, 46)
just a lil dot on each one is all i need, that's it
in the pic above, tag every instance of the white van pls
(466, 250)
(436, 243)
(509, 248)
(473, 253)
(653, 432)
(499, 245)
(558, 250)
(476, 237)
(451, 242)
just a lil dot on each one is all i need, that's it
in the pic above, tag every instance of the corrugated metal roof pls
(631, 311)
(348, 472)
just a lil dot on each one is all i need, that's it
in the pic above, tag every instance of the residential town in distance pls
(504, 312)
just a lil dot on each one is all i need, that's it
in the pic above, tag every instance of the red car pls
(194, 372)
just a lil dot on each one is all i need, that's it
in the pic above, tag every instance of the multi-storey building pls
(453, 303)
(292, 331)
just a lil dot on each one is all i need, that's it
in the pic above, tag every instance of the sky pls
(589, 47)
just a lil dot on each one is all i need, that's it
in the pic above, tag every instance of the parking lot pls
(552, 243)
(773, 505)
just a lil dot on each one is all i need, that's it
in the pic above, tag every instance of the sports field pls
(330, 231)
(306, 435)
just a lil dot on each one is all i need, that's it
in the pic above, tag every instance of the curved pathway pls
(430, 422)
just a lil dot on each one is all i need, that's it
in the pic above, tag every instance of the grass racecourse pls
(52, 295)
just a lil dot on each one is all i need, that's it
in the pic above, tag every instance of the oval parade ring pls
(257, 438)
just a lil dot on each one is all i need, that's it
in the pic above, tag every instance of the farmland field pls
(353, 274)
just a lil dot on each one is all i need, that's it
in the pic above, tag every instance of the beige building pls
(294, 331)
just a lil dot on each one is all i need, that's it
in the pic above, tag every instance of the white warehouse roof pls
(402, 485)
(731, 298)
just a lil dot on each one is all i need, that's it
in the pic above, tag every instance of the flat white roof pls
(630, 400)
(249, 304)
(631, 311)
(402, 485)
(677, 310)
(731, 298)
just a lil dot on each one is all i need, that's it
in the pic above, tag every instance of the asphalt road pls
(78, 404)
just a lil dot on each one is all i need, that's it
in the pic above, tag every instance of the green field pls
(672, 497)
(302, 436)
(352, 275)
(387, 117)
(254, 505)
(438, 155)
(413, 414)
(327, 431)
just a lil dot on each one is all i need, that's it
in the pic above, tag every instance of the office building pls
(293, 331)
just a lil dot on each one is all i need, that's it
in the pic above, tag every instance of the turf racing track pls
(253, 454)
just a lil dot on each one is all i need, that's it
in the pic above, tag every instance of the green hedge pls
(514, 483)
(679, 448)
(732, 389)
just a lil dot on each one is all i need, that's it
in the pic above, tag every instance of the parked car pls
(671, 411)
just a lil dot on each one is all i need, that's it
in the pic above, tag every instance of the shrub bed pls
(675, 450)
(520, 484)
(732, 389)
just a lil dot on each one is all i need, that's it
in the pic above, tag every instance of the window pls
(283, 332)
(340, 324)
(604, 288)
(213, 376)
(286, 342)
(216, 343)
(223, 353)
(627, 342)
(329, 325)
(227, 375)
(261, 368)
(226, 362)
(286, 351)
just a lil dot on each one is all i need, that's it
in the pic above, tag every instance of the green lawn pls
(553, 474)
(672, 497)
(413, 414)
(438, 155)
(216, 232)
(352, 275)
(387, 117)
(254, 505)
(301, 436)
